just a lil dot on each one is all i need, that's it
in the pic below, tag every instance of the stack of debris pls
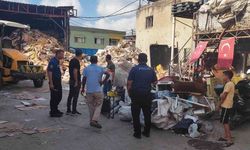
(37, 46)
(10, 129)
(123, 51)
(40, 48)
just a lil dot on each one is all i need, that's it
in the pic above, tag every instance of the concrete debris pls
(29, 106)
(5, 93)
(2, 122)
(26, 103)
(3, 135)
(123, 51)
(205, 145)
(40, 99)
(29, 131)
(224, 10)
(40, 48)
(28, 120)
(13, 128)
(24, 96)
(82, 103)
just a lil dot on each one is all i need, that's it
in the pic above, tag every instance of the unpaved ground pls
(73, 132)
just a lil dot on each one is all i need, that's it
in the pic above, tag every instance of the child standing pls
(226, 104)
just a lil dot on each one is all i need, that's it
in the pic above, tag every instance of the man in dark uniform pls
(111, 69)
(55, 83)
(139, 86)
(74, 82)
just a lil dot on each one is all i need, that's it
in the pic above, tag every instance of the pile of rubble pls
(37, 46)
(40, 48)
(123, 51)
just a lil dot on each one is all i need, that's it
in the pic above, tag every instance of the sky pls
(96, 8)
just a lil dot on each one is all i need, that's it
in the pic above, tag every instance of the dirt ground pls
(73, 132)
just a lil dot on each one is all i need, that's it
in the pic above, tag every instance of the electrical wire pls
(120, 14)
(112, 14)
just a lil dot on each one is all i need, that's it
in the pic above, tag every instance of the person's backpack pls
(106, 106)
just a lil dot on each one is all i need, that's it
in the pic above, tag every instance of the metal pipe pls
(173, 39)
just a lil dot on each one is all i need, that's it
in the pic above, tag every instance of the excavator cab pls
(14, 65)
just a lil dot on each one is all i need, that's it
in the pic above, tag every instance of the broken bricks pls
(11, 129)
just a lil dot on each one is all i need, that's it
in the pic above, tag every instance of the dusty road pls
(74, 133)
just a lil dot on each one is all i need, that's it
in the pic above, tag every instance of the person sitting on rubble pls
(226, 104)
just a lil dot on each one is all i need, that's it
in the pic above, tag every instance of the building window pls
(79, 39)
(149, 21)
(113, 42)
(99, 41)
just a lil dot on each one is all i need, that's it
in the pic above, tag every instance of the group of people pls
(98, 81)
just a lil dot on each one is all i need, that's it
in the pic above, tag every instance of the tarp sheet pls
(198, 51)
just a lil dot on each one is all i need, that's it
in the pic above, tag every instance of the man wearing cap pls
(55, 83)
(139, 88)
(74, 82)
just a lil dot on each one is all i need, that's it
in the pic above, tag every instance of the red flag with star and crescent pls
(198, 51)
(226, 53)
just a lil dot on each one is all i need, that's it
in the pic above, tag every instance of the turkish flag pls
(226, 53)
(198, 51)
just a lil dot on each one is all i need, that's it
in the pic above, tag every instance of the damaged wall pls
(206, 22)
(161, 31)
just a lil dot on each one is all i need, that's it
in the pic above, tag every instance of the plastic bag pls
(193, 131)
(125, 114)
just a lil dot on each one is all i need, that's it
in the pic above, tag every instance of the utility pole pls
(173, 40)
(140, 4)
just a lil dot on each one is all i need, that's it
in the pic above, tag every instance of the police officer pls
(55, 83)
(139, 86)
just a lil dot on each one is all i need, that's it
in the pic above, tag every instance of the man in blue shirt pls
(55, 83)
(92, 77)
(139, 88)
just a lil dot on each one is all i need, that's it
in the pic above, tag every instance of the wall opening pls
(161, 54)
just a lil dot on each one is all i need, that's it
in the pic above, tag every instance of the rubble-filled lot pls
(34, 129)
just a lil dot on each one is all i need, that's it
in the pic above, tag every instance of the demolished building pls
(48, 19)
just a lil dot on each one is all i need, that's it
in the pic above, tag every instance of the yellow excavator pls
(14, 65)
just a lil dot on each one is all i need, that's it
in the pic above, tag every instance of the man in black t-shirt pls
(74, 82)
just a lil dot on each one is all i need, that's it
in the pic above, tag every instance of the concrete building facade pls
(89, 40)
(154, 33)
